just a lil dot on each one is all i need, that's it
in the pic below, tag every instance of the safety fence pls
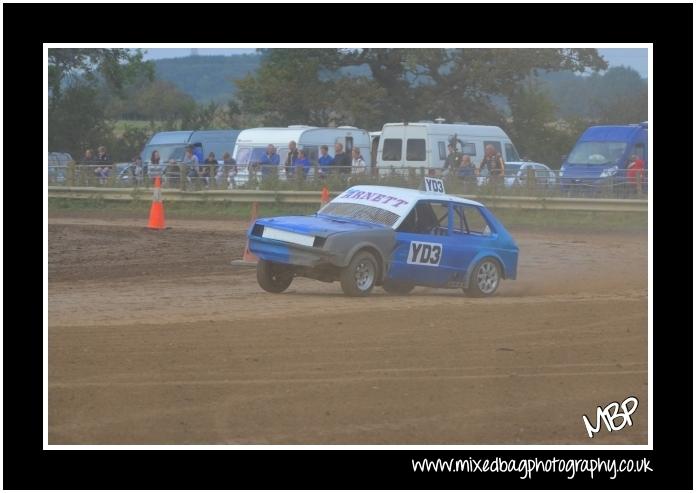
(314, 197)
(517, 181)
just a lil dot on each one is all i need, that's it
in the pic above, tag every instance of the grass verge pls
(511, 218)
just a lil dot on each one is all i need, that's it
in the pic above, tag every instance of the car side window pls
(427, 218)
(469, 220)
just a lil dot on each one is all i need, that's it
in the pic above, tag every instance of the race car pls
(391, 237)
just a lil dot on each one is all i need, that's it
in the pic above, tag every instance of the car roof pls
(414, 195)
(462, 129)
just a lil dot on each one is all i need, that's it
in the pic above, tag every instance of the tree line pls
(533, 94)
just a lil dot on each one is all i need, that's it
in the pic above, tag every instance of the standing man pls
(493, 162)
(341, 160)
(325, 161)
(290, 160)
(634, 173)
(453, 161)
(268, 160)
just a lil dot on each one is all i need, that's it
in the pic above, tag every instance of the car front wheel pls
(485, 278)
(359, 277)
(273, 277)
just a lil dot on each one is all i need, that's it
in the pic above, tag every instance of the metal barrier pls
(180, 176)
(314, 197)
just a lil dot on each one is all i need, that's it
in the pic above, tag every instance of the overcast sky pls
(637, 58)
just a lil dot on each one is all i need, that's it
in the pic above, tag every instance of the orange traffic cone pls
(324, 196)
(248, 256)
(157, 209)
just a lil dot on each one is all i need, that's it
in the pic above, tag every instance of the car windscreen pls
(367, 213)
(166, 152)
(597, 153)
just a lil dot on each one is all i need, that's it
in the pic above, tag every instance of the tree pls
(161, 100)
(402, 84)
(534, 127)
(76, 114)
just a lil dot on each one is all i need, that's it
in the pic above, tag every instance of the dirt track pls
(155, 338)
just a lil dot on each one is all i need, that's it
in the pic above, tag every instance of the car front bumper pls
(289, 253)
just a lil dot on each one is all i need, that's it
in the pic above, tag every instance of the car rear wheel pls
(359, 277)
(272, 277)
(400, 288)
(485, 278)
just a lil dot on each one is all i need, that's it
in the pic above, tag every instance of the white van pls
(252, 143)
(424, 144)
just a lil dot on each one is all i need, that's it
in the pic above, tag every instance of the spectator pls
(290, 160)
(198, 152)
(155, 157)
(301, 165)
(493, 162)
(206, 171)
(105, 160)
(634, 173)
(89, 164)
(467, 171)
(89, 157)
(269, 160)
(136, 170)
(453, 161)
(358, 166)
(341, 160)
(229, 164)
(191, 160)
(102, 155)
(211, 159)
(325, 161)
(103, 174)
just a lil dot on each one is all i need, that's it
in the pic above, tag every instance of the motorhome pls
(424, 144)
(172, 145)
(252, 143)
(602, 155)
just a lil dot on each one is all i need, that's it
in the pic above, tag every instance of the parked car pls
(392, 237)
(57, 166)
(516, 175)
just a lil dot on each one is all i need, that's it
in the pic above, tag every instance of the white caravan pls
(252, 143)
(424, 144)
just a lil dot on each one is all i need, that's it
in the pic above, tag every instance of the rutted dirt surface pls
(155, 338)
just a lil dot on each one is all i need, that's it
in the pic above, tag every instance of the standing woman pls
(493, 162)
(154, 161)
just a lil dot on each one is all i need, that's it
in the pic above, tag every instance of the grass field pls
(528, 219)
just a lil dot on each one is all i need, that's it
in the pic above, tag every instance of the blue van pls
(602, 154)
(172, 145)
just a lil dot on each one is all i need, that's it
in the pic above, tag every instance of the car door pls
(423, 254)
(542, 175)
(470, 234)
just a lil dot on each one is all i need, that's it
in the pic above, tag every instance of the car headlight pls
(609, 172)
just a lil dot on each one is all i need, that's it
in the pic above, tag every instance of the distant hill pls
(206, 78)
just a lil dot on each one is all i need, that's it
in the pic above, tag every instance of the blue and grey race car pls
(391, 237)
